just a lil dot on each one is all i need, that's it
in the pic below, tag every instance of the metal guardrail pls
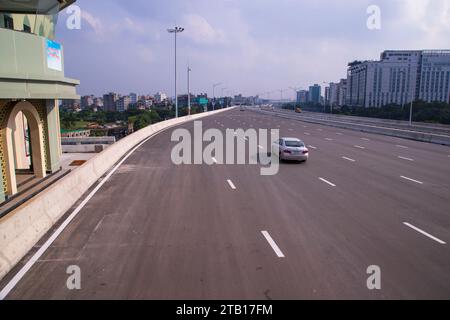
(435, 138)
(397, 124)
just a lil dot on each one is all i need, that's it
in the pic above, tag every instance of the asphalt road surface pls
(160, 231)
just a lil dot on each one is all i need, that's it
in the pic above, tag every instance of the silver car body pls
(290, 149)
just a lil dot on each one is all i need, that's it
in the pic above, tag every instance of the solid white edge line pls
(424, 233)
(327, 182)
(349, 159)
(272, 243)
(30, 263)
(409, 179)
(404, 158)
(232, 186)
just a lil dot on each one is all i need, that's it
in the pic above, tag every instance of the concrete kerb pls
(21, 229)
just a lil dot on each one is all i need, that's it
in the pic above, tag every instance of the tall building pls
(109, 101)
(315, 94)
(341, 92)
(87, 102)
(332, 94)
(399, 77)
(434, 76)
(302, 96)
(123, 103)
(32, 82)
(327, 96)
(133, 98)
(160, 97)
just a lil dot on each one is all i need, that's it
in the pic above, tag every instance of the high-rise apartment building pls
(399, 77)
(302, 96)
(109, 101)
(315, 94)
(123, 103)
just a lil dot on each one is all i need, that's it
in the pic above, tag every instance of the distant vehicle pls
(298, 110)
(291, 149)
(242, 108)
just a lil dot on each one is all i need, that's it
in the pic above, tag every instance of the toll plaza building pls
(32, 81)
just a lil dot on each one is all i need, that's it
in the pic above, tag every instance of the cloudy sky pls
(251, 46)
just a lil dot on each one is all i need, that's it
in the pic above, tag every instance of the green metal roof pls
(34, 6)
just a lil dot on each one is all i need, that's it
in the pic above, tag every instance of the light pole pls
(214, 94)
(189, 88)
(176, 30)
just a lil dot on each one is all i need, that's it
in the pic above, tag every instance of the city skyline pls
(125, 49)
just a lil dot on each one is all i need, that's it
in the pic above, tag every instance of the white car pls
(291, 149)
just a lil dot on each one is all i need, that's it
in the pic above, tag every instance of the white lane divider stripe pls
(22, 272)
(232, 186)
(327, 182)
(365, 139)
(403, 147)
(413, 180)
(328, 139)
(349, 159)
(424, 233)
(312, 147)
(404, 158)
(272, 243)
(307, 133)
(360, 147)
(339, 133)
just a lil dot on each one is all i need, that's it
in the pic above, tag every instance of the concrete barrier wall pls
(83, 148)
(21, 229)
(441, 129)
(88, 140)
(393, 132)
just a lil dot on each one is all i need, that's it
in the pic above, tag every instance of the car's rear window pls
(294, 144)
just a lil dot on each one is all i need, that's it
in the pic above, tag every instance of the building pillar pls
(53, 135)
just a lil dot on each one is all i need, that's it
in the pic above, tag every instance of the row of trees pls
(434, 112)
(140, 118)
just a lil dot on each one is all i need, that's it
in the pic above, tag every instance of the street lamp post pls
(189, 88)
(176, 30)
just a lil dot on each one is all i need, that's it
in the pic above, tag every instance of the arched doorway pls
(22, 151)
